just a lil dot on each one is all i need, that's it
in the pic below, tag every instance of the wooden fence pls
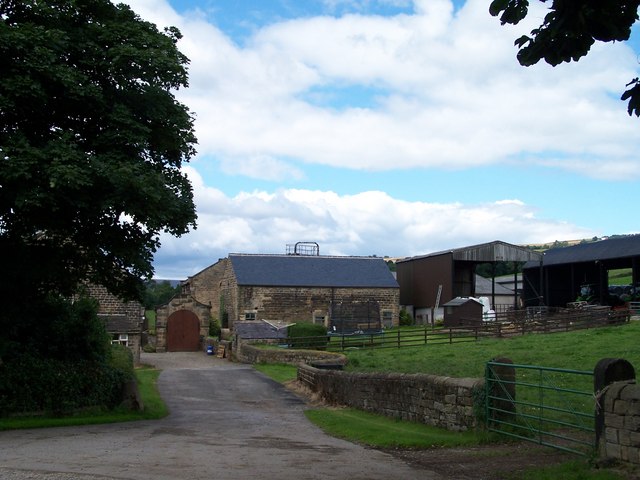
(508, 324)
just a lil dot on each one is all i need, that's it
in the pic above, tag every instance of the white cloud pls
(367, 223)
(454, 94)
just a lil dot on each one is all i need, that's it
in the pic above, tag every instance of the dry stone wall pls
(439, 401)
(251, 354)
(621, 438)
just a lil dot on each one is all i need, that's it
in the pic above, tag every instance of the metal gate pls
(549, 406)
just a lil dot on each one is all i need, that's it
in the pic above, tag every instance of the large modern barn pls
(565, 272)
(427, 282)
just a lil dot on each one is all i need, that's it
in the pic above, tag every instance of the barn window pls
(319, 319)
(120, 339)
(250, 315)
(387, 318)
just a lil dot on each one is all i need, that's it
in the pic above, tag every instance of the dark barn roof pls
(495, 251)
(311, 271)
(610, 249)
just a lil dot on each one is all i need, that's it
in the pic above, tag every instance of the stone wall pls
(217, 286)
(621, 435)
(180, 302)
(301, 304)
(120, 317)
(206, 287)
(439, 401)
(247, 353)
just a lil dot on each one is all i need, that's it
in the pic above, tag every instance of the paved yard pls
(227, 421)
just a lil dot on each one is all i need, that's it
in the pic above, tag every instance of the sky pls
(393, 128)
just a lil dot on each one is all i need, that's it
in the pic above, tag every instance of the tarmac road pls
(227, 422)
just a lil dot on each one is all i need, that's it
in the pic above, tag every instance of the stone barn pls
(278, 288)
(123, 320)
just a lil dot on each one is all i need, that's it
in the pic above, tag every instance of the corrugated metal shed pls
(565, 270)
(610, 249)
(496, 251)
(311, 271)
(448, 274)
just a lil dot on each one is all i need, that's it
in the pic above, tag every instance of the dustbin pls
(210, 350)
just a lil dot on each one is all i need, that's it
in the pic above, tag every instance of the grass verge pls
(279, 372)
(384, 432)
(154, 408)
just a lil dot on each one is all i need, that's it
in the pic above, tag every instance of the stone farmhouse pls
(123, 320)
(276, 288)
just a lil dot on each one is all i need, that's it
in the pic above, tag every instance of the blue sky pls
(393, 128)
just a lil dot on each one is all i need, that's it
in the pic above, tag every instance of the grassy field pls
(579, 350)
(154, 408)
(620, 277)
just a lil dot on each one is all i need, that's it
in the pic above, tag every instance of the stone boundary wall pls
(247, 353)
(439, 401)
(621, 436)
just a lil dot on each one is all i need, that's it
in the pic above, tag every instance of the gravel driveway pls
(227, 422)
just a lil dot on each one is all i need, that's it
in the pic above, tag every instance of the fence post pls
(398, 336)
(606, 372)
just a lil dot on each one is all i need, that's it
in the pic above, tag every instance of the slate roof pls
(456, 302)
(258, 330)
(311, 271)
(120, 323)
(483, 287)
(619, 247)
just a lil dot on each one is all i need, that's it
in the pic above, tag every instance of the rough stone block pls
(630, 391)
(632, 422)
(612, 450)
(611, 435)
(620, 407)
(613, 421)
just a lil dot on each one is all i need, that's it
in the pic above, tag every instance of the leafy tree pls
(158, 293)
(570, 29)
(92, 141)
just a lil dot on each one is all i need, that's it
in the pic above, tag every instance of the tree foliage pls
(92, 141)
(570, 29)
(158, 292)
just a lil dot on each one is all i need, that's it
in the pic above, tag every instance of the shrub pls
(29, 384)
(214, 328)
(122, 359)
(60, 359)
(406, 319)
(307, 335)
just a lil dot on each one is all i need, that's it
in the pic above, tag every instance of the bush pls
(214, 328)
(406, 319)
(58, 358)
(29, 385)
(307, 335)
(122, 359)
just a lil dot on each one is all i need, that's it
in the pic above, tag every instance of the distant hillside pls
(568, 243)
(173, 283)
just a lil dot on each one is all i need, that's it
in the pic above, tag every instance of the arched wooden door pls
(183, 332)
